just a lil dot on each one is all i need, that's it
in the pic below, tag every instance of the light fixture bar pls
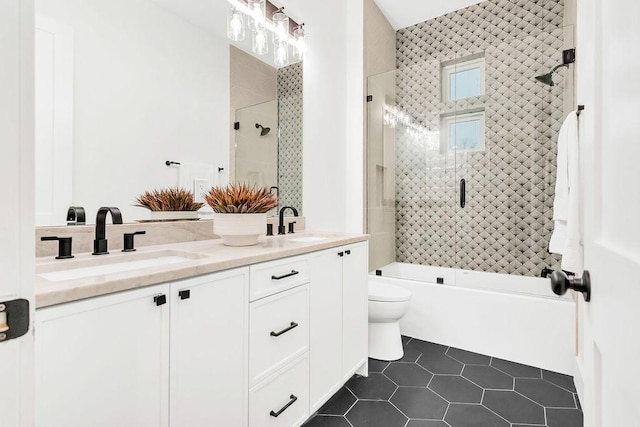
(296, 43)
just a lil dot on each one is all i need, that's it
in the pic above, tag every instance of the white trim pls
(54, 120)
(445, 123)
(458, 67)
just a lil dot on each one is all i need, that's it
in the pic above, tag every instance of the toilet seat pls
(387, 293)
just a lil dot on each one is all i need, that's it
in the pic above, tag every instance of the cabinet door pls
(355, 321)
(209, 384)
(103, 362)
(325, 317)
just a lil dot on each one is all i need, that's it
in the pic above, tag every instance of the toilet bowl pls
(387, 305)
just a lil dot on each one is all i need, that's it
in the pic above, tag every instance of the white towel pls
(566, 239)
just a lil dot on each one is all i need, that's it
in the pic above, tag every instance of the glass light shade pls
(235, 25)
(259, 42)
(299, 46)
(257, 9)
(281, 54)
(281, 27)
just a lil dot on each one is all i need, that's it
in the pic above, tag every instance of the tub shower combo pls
(461, 166)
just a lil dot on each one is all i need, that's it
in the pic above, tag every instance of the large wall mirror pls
(124, 86)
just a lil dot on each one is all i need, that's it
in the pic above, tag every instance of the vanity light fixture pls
(259, 43)
(235, 25)
(279, 28)
(279, 36)
(299, 46)
(256, 11)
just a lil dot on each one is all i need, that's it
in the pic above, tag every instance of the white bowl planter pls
(239, 229)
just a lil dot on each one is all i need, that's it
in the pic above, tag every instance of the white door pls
(325, 322)
(608, 67)
(104, 361)
(355, 306)
(209, 317)
(16, 211)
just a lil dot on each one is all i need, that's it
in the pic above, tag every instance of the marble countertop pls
(205, 256)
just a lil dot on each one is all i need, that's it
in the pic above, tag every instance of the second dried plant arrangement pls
(241, 198)
(168, 199)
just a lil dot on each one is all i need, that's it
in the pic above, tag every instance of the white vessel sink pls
(307, 239)
(109, 264)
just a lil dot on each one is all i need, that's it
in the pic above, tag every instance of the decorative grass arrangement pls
(168, 199)
(241, 198)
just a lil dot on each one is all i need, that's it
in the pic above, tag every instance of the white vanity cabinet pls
(338, 318)
(208, 357)
(262, 345)
(279, 343)
(103, 362)
(172, 354)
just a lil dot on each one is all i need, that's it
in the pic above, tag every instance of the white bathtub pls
(512, 317)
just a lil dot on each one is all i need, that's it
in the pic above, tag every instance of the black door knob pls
(560, 282)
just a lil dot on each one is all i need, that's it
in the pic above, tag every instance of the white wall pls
(333, 116)
(148, 87)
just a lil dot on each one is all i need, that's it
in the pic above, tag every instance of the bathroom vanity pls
(253, 336)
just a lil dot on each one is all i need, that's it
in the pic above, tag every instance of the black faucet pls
(75, 215)
(281, 228)
(100, 242)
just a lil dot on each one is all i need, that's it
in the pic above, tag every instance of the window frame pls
(460, 66)
(445, 124)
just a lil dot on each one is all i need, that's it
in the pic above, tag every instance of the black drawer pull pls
(287, 329)
(160, 299)
(285, 407)
(184, 294)
(340, 253)
(348, 252)
(293, 273)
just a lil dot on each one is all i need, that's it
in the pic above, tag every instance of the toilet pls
(387, 305)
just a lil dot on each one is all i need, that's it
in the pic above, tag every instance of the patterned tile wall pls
(507, 221)
(290, 126)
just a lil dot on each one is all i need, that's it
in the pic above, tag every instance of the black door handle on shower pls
(463, 192)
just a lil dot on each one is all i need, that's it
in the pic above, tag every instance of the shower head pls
(548, 78)
(264, 131)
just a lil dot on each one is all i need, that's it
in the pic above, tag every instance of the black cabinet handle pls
(160, 299)
(184, 294)
(285, 407)
(285, 330)
(293, 273)
(340, 253)
(463, 192)
(348, 252)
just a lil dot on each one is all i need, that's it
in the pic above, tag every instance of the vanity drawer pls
(271, 277)
(282, 400)
(278, 331)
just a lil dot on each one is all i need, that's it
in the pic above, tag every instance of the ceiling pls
(403, 13)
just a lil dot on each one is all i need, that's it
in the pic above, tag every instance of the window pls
(463, 79)
(463, 132)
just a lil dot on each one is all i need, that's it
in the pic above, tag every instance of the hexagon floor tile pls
(462, 389)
